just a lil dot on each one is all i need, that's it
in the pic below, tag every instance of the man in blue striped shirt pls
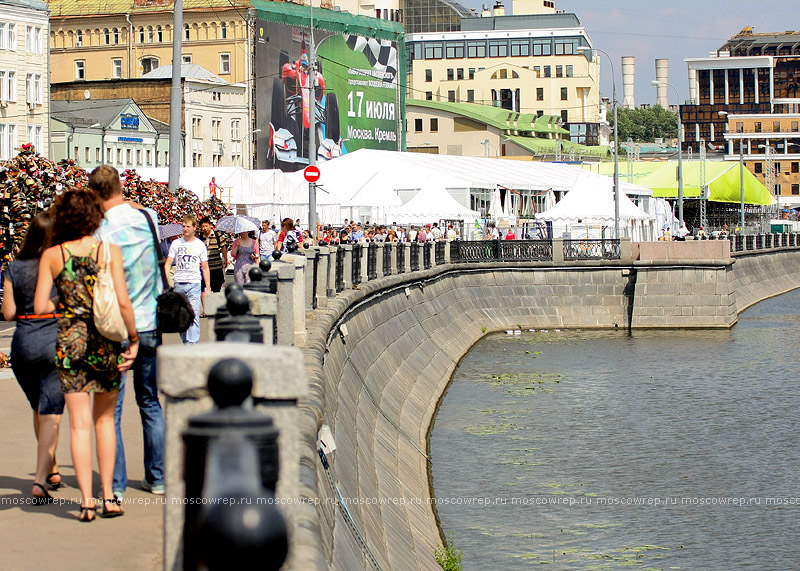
(125, 226)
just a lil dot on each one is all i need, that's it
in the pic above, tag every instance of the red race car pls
(291, 107)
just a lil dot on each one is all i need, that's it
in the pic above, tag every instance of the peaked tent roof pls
(432, 203)
(592, 199)
(722, 179)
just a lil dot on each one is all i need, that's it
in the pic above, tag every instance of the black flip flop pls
(53, 485)
(41, 500)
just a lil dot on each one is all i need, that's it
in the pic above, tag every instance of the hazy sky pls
(672, 29)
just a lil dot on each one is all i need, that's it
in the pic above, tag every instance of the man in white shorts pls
(191, 261)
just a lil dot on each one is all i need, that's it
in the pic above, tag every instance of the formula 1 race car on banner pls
(291, 108)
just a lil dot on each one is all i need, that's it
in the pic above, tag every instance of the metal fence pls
(357, 263)
(591, 250)
(501, 250)
(440, 252)
(387, 258)
(372, 261)
(401, 259)
(414, 248)
(339, 269)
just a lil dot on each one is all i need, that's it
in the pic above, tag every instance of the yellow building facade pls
(766, 140)
(126, 39)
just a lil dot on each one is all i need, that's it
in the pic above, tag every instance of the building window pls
(149, 157)
(418, 125)
(159, 34)
(454, 50)
(547, 71)
(470, 96)
(216, 96)
(570, 71)
(460, 73)
(520, 48)
(498, 48)
(186, 32)
(434, 125)
(235, 130)
(540, 94)
(149, 64)
(429, 96)
(428, 75)
(80, 70)
(758, 127)
(116, 68)
(541, 47)
(564, 94)
(471, 73)
(78, 38)
(795, 168)
(115, 36)
(476, 49)
(559, 71)
(758, 167)
(186, 58)
(794, 127)
(138, 157)
(216, 129)
(433, 50)
(451, 74)
(106, 36)
(564, 115)
(150, 34)
(119, 156)
(223, 31)
(197, 159)
(141, 35)
(451, 96)
(225, 64)
(97, 156)
(776, 126)
(796, 189)
(197, 131)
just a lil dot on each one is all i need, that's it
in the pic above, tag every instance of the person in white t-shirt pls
(266, 241)
(191, 261)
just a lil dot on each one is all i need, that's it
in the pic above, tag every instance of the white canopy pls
(591, 202)
(431, 204)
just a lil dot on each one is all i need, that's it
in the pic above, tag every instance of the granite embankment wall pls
(380, 357)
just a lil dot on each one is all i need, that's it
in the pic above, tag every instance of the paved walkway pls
(50, 537)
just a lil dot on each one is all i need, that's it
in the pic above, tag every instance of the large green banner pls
(356, 101)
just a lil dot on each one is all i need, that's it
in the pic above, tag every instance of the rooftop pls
(188, 71)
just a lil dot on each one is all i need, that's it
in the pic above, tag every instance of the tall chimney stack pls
(662, 76)
(628, 77)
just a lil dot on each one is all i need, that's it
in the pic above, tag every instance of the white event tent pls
(432, 203)
(366, 183)
(589, 207)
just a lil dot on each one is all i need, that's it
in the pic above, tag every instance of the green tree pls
(646, 124)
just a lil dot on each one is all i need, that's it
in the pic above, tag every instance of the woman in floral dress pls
(86, 362)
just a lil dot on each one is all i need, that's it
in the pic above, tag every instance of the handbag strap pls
(159, 257)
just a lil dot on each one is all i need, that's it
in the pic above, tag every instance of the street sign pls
(311, 173)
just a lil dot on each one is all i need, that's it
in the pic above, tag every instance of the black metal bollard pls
(240, 527)
(230, 382)
(222, 310)
(238, 325)
(262, 279)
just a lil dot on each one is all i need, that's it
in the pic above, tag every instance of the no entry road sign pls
(311, 173)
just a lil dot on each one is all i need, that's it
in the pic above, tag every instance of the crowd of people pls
(60, 358)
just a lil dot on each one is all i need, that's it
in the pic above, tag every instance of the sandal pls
(53, 485)
(109, 514)
(41, 500)
(87, 514)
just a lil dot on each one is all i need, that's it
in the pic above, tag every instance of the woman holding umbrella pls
(245, 254)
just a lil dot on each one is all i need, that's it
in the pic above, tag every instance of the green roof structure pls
(722, 179)
(537, 134)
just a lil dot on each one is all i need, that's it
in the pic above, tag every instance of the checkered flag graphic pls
(381, 54)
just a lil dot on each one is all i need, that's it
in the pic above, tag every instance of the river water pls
(599, 450)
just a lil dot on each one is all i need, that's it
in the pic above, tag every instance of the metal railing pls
(440, 252)
(387, 258)
(339, 269)
(401, 258)
(591, 250)
(372, 261)
(356, 264)
(414, 250)
(501, 250)
(426, 254)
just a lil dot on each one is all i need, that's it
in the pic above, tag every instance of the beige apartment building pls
(24, 88)
(125, 39)
(768, 141)
(532, 64)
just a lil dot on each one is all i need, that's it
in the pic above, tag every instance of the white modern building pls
(24, 78)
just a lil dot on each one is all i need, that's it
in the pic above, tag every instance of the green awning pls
(722, 179)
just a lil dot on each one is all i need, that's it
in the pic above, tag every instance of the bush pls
(449, 556)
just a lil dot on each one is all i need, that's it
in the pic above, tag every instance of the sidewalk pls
(49, 536)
